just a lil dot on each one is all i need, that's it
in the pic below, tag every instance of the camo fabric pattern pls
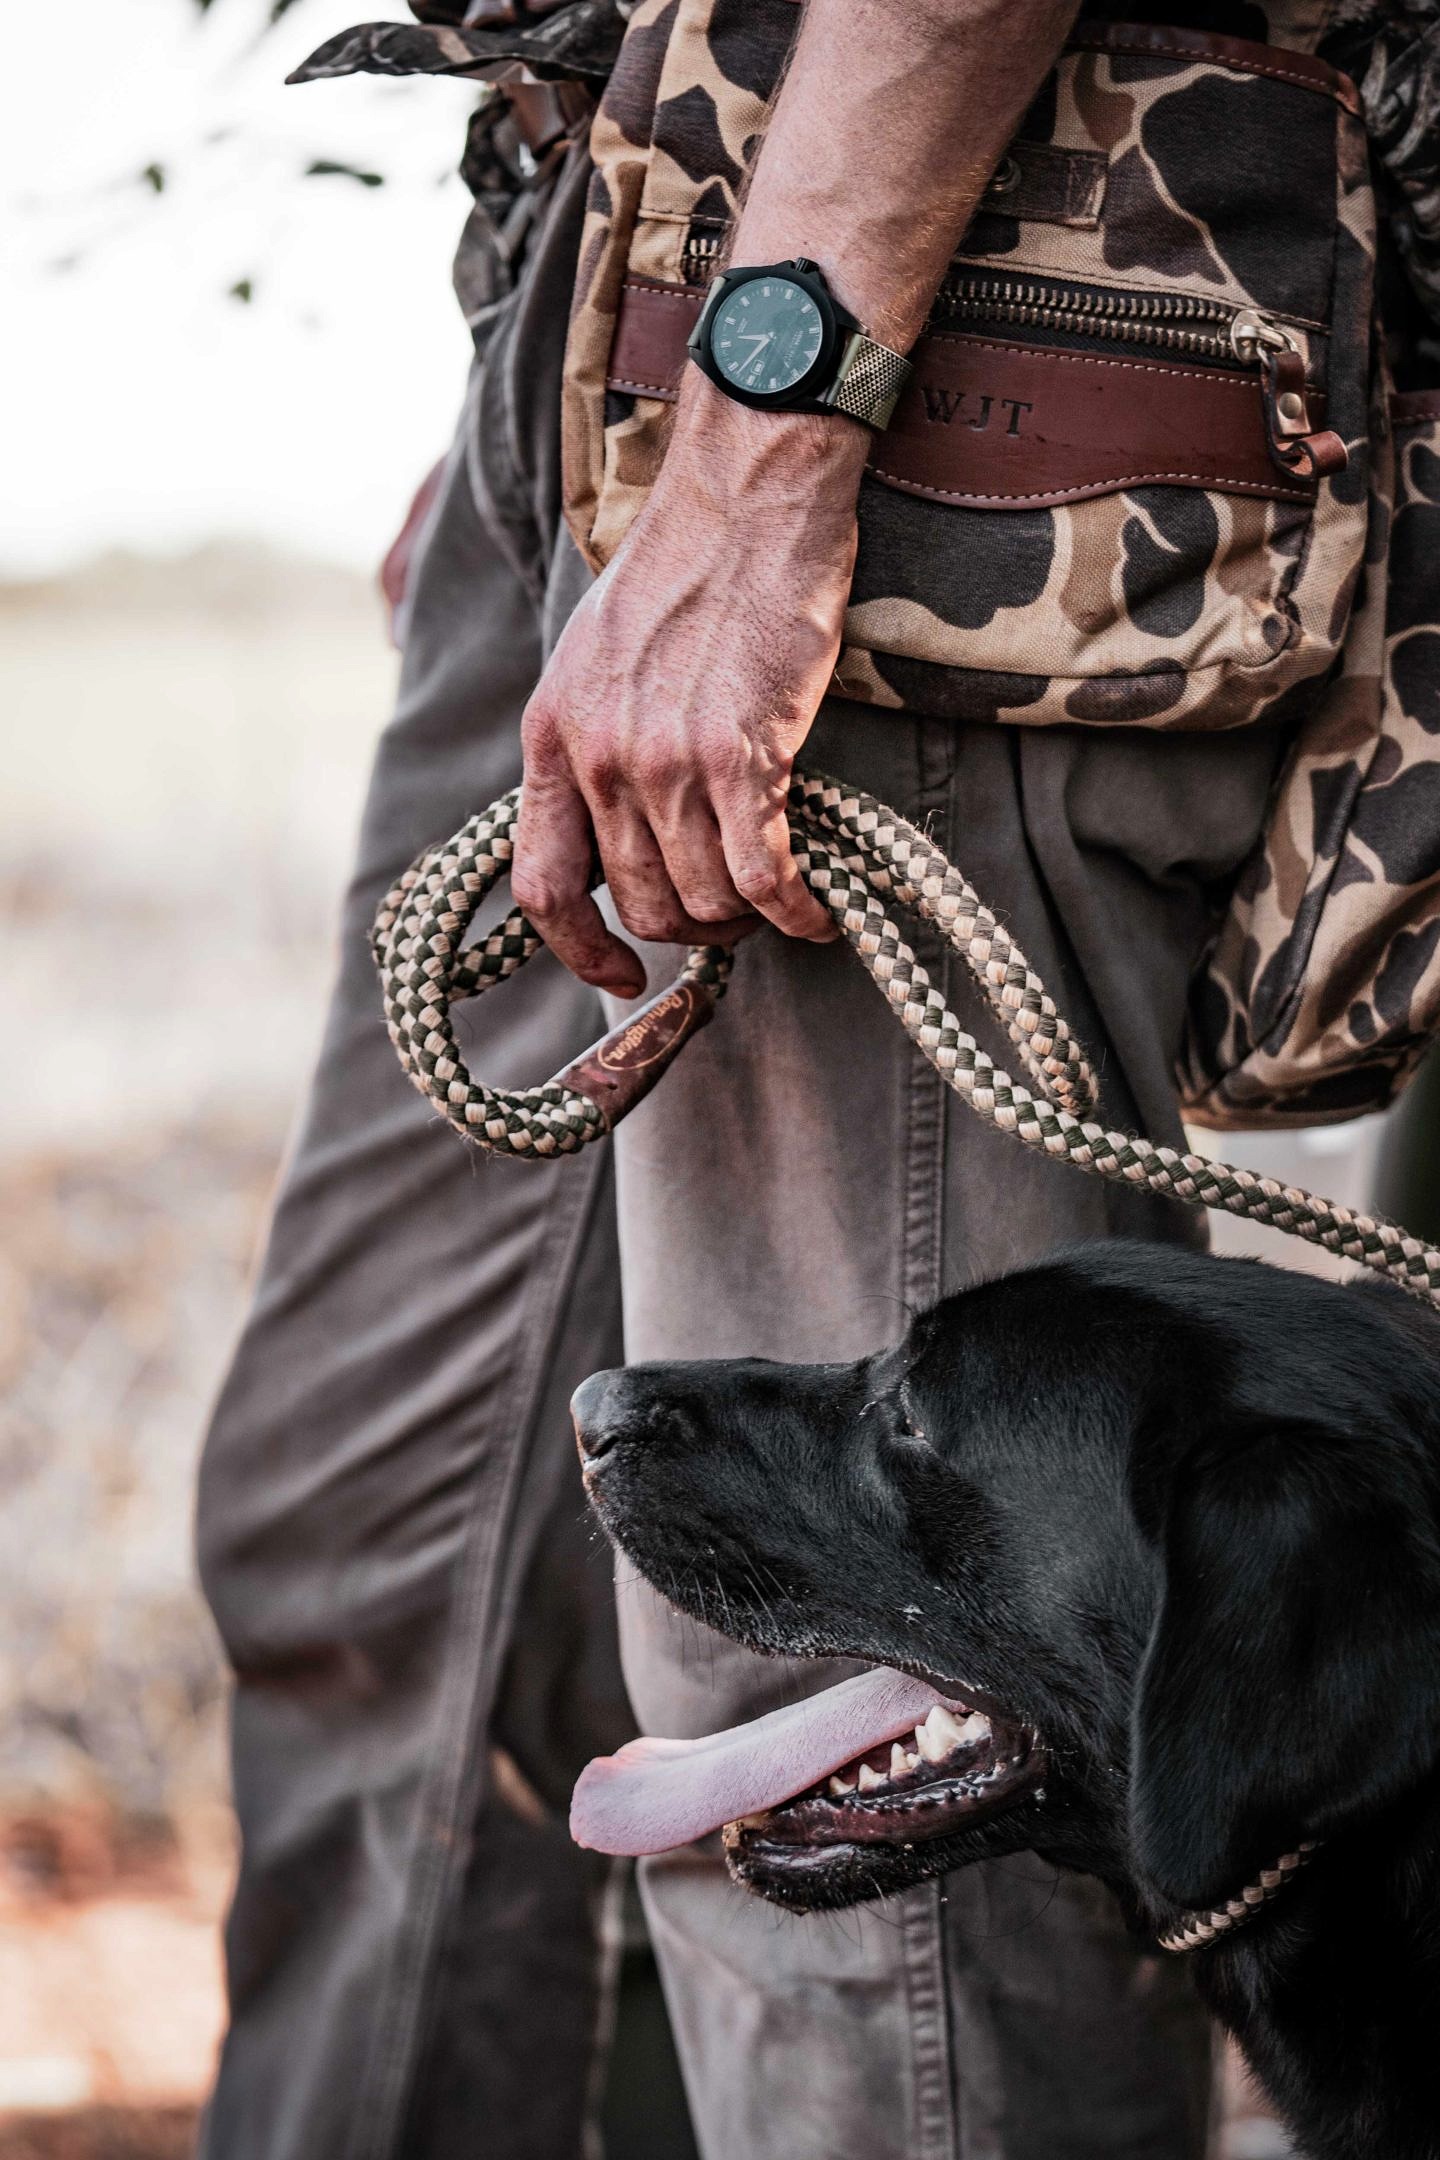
(1323, 987)
(1159, 606)
(577, 43)
(679, 121)
(1392, 48)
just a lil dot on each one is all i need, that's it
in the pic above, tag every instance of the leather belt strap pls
(1414, 408)
(547, 113)
(994, 423)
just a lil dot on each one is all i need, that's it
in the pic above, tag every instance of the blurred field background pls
(222, 391)
(223, 376)
(191, 751)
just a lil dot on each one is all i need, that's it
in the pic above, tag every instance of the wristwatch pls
(776, 337)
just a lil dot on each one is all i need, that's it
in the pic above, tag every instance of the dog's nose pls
(597, 1407)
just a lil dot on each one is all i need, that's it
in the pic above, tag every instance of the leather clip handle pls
(1296, 444)
(620, 1069)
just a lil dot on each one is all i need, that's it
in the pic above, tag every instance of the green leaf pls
(277, 8)
(154, 176)
(323, 167)
(244, 288)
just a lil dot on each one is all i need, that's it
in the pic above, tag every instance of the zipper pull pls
(1296, 444)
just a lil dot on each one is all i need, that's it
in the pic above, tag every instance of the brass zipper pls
(1174, 322)
(1182, 323)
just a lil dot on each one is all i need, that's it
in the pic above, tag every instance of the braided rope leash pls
(1197, 1930)
(855, 854)
(426, 967)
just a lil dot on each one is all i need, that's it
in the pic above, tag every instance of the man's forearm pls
(666, 725)
(890, 121)
(887, 128)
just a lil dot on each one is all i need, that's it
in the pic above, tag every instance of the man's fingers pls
(641, 887)
(689, 837)
(550, 878)
(766, 874)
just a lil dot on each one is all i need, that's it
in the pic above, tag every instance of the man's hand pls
(672, 708)
(669, 717)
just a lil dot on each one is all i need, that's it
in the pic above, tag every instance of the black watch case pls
(746, 307)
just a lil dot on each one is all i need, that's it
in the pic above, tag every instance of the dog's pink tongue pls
(656, 1794)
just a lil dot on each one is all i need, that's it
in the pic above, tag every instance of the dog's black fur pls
(1180, 1516)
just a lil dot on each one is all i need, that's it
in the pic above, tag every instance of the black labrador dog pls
(1145, 1548)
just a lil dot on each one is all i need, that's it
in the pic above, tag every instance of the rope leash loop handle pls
(851, 849)
(426, 968)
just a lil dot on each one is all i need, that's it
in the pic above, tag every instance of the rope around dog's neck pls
(1197, 1930)
(851, 850)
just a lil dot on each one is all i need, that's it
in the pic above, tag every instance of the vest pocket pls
(1127, 484)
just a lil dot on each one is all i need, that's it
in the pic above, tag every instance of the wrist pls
(729, 453)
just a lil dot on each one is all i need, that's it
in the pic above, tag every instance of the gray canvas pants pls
(391, 1526)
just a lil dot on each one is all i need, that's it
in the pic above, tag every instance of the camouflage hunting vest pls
(1082, 510)
(1111, 495)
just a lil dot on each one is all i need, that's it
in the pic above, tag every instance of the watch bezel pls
(820, 374)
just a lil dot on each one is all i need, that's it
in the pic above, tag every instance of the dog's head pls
(1158, 1533)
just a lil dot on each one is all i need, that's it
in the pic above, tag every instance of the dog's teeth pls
(899, 1760)
(840, 1786)
(870, 1780)
(749, 1822)
(912, 1760)
(975, 1729)
(938, 1735)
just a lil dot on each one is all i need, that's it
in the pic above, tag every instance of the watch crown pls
(803, 262)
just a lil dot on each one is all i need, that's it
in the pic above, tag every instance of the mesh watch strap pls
(870, 379)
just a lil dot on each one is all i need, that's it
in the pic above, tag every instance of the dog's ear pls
(1292, 1679)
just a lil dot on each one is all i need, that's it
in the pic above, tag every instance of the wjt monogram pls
(973, 408)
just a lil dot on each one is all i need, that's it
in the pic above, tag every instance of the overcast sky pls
(138, 405)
